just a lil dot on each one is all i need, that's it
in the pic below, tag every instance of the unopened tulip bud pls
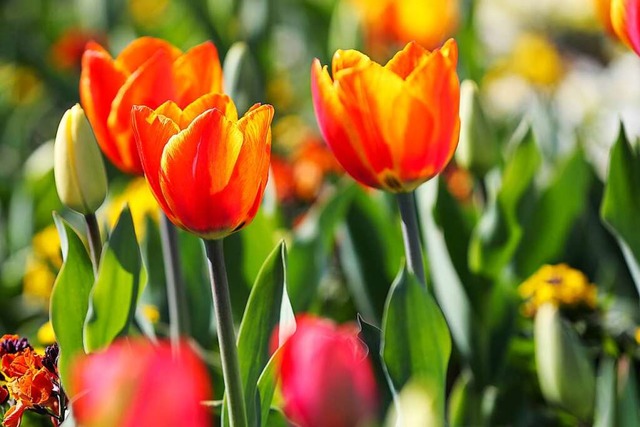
(81, 179)
(477, 150)
(565, 372)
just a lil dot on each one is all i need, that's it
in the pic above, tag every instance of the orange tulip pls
(395, 126)
(429, 22)
(625, 19)
(147, 72)
(603, 12)
(206, 168)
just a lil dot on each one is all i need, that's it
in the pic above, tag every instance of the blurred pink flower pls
(327, 379)
(137, 383)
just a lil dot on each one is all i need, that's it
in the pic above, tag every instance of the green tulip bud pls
(81, 179)
(477, 148)
(565, 372)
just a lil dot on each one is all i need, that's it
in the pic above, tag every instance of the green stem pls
(176, 294)
(226, 333)
(95, 242)
(411, 234)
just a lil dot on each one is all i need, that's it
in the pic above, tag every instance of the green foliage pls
(70, 298)
(415, 339)
(498, 233)
(115, 293)
(268, 308)
(621, 202)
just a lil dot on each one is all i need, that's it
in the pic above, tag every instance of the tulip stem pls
(95, 241)
(176, 295)
(226, 333)
(411, 235)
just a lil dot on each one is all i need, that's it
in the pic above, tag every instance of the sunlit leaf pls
(415, 338)
(621, 202)
(115, 292)
(70, 297)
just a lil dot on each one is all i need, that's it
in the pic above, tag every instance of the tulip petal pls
(405, 61)
(251, 172)
(152, 132)
(150, 85)
(633, 24)
(141, 49)
(171, 110)
(369, 97)
(196, 164)
(347, 59)
(100, 82)
(339, 135)
(197, 72)
(209, 101)
(436, 83)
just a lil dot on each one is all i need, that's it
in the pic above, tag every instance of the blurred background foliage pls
(553, 88)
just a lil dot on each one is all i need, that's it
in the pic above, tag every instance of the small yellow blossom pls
(141, 202)
(46, 336)
(560, 285)
(42, 265)
(636, 335)
(46, 245)
(151, 312)
(537, 60)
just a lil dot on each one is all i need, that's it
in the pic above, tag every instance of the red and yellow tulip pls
(147, 72)
(625, 19)
(429, 22)
(207, 168)
(394, 126)
(137, 383)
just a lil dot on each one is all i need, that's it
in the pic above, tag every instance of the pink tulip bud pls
(327, 379)
(137, 383)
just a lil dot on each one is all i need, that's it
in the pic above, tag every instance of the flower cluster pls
(560, 285)
(29, 381)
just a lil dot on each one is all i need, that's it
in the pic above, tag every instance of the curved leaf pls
(115, 293)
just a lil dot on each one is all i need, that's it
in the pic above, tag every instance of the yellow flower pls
(46, 245)
(46, 336)
(151, 312)
(38, 280)
(141, 202)
(537, 60)
(42, 265)
(636, 335)
(559, 285)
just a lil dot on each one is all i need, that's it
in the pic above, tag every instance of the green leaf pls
(267, 306)
(628, 413)
(564, 369)
(447, 286)
(267, 386)
(496, 237)
(70, 297)
(415, 338)
(621, 202)
(605, 405)
(311, 247)
(115, 292)
(372, 337)
(371, 252)
(277, 419)
(554, 215)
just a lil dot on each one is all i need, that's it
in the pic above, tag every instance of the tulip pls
(207, 169)
(136, 383)
(429, 22)
(625, 19)
(326, 377)
(147, 72)
(478, 150)
(394, 126)
(81, 179)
